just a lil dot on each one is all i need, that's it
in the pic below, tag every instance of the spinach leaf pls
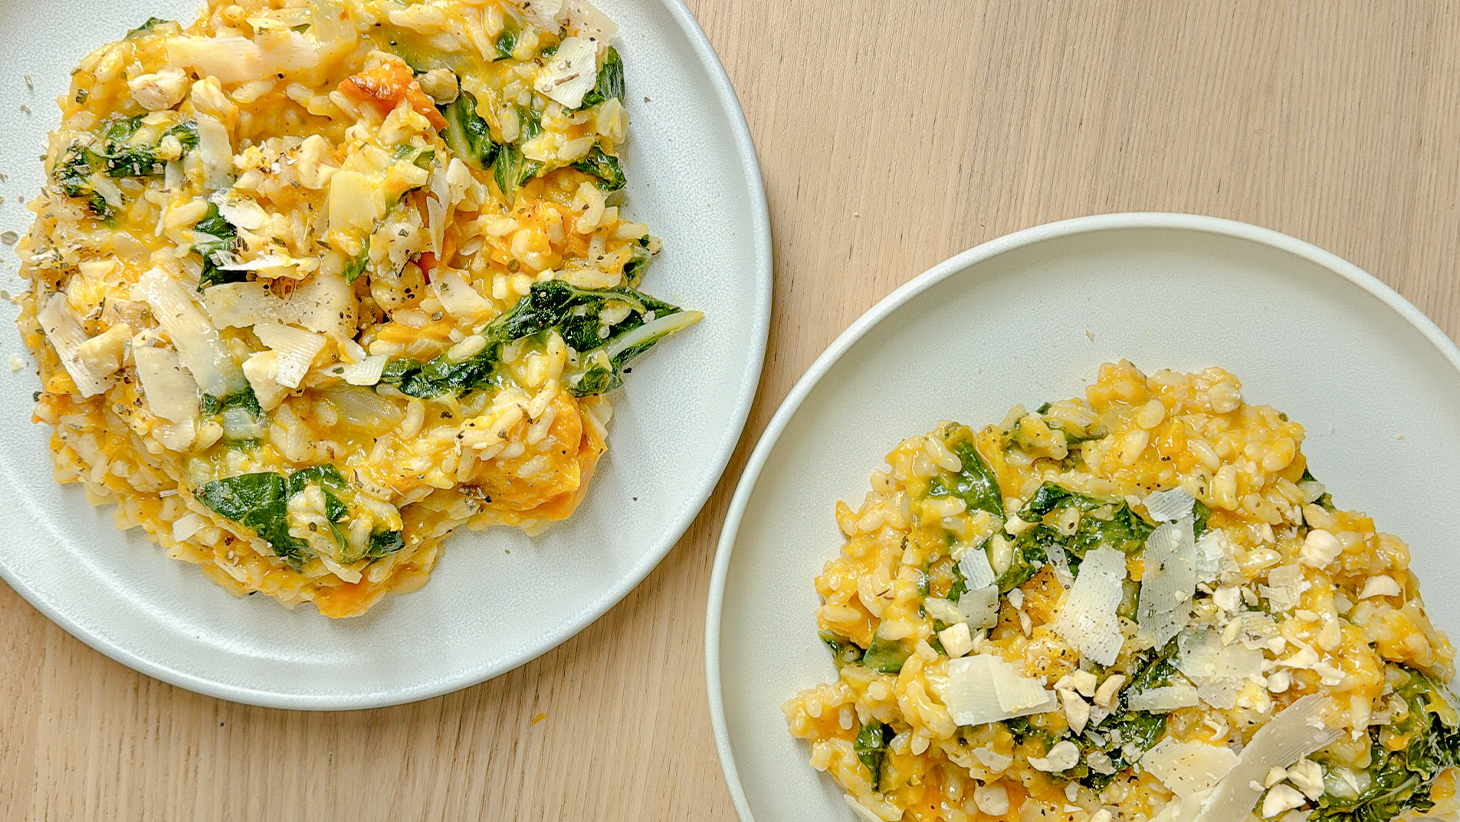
(466, 133)
(118, 158)
(1136, 731)
(511, 171)
(244, 398)
(871, 747)
(1030, 550)
(1400, 781)
(73, 172)
(146, 28)
(383, 543)
(886, 655)
(220, 237)
(1201, 514)
(122, 158)
(507, 40)
(974, 483)
(604, 166)
(577, 315)
(843, 650)
(610, 83)
(1102, 522)
(186, 134)
(358, 263)
(1324, 500)
(639, 257)
(260, 501)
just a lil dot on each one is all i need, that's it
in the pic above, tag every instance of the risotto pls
(1139, 605)
(315, 283)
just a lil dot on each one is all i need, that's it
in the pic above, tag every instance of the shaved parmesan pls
(1168, 583)
(457, 295)
(1183, 810)
(544, 14)
(232, 59)
(216, 150)
(1163, 700)
(585, 20)
(170, 391)
(1088, 618)
(1295, 732)
(321, 303)
(984, 688)
(365, 372)
(1187, 768)
(67, 336)
(978, 608)
(295, 347)
(262, 371)
(197, 342)
(1213, 556)
(976, 570)
(1170, 506)
(241, 211)
(1218, 670)
(570, 73)
(1060, 562)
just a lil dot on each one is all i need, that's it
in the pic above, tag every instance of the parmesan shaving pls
(1169, 506)
(1168, 583)
(1088, 618)
(1218, 670)
(1163, 700)
(67, 336)
(295, 347)
(976, 570)
(1295, 732)
(984, 688)
(170, 391)
(570, 73)
(1187, 768)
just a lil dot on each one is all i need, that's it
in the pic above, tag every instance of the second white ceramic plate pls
(1029, 318)
(497, 599)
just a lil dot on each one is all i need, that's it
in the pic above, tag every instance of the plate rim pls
(762, 272)
(807, 383)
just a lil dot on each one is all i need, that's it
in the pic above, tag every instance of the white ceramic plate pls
(1029, 318)
(496, 599)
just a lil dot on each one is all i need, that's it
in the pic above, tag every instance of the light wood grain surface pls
(890, 137)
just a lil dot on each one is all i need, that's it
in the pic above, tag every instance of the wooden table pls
(891, 136)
